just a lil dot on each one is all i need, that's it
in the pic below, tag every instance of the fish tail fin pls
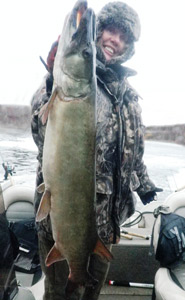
(90, 280)
(72, 286)
(102, 250)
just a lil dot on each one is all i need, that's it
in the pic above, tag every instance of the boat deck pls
(107, 293)
(125, 293)
(131, 265)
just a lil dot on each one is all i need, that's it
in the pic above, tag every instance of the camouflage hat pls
(122, 16)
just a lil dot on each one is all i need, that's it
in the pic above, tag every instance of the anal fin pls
(41, 188)
(53, 256)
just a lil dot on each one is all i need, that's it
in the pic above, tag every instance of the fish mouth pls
(81, 37)
(84, 17)
(82, 7)
(78, 11)
(75, 59)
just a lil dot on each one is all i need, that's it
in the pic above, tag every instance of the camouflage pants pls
(56, 275)
(98, 268)
(108, 231)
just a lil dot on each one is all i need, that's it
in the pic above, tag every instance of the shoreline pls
(19, 117)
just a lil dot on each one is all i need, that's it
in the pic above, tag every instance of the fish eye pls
(87, 53)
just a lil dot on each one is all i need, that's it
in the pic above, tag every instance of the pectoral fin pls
(41, 188)
(102, 250)
(44, 112)
(53, 256)
(44, 207)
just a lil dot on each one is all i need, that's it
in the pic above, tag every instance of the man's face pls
(112, 43)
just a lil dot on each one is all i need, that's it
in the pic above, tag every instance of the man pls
(119, 145)
(8, 170)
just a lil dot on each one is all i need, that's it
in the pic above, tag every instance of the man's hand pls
(150, 196)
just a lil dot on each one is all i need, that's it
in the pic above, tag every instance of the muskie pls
(69, 149)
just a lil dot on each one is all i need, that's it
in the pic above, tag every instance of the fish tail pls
(90, 280)
(71, 287)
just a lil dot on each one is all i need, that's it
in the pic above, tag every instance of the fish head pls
(74, 68)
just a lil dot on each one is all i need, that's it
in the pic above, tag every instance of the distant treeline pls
(15, 116)
(169, 133)
(19, 116)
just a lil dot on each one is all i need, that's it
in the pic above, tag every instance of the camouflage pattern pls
(38, 132)
(120, 133)
(120, 168)
(119, 149)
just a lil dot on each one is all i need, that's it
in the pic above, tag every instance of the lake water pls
(165, 161)
(21, 152)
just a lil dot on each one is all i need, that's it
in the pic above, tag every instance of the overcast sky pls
(29, 27)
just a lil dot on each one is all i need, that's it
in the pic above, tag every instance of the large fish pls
(69, 149)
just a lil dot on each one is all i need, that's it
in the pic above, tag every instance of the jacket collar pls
(114, 78)
(114, 72)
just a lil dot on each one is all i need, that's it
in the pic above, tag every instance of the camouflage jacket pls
(120, 168)
(120, 142)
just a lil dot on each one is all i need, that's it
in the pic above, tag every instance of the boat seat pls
(178, 274)
(18, 203)
(24, 293)
(170, 283)
(166, 288)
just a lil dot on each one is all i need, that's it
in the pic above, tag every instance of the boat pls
(133, 273)
(169, 282)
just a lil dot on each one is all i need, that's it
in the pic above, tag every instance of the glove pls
(51, 55)
(49, 84)
(158, 190)
(150, 196)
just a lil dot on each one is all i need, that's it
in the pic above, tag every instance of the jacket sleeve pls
(145, 185)
(37, 128)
